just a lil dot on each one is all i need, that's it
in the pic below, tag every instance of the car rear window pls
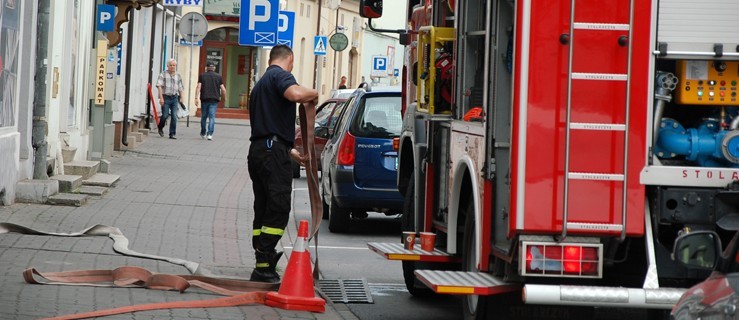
(378, 117)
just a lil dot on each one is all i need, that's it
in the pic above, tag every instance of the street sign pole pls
(193, 28)
(189, 76)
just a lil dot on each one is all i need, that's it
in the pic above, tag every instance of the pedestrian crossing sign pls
(319, 48)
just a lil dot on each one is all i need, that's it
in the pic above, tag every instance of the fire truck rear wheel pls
(407, 223)
(473, 306)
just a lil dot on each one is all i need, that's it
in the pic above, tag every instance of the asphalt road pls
(346, 256)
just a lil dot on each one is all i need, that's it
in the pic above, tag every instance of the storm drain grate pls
(346, 290)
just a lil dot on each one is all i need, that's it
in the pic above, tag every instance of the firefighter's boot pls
(265, 269)
(273, 262)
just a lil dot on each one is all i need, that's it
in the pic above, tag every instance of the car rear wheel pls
(326, 207)
(338, 218)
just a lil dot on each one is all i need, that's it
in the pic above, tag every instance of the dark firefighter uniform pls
(272, 119)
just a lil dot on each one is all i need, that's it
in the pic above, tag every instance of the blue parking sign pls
(106, 17)
(259, 22)
(286, 28)
(379, 63)
(379, 66)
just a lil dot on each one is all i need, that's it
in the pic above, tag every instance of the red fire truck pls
(558, 149)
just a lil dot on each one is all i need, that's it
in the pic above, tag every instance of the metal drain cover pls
(346, 290)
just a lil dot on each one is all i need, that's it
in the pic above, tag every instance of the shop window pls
(216, 35)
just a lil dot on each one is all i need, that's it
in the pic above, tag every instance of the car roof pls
(341, 93)
(385, 89)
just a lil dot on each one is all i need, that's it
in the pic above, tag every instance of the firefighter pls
(272, 114)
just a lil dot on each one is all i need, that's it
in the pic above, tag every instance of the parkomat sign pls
(100, 72)
(179, 3)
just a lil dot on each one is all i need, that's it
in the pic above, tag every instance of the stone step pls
(93, 190)
(145, 132)
(83, 168)
(68, 199)
(101, 180)
(136, 135)
(35, 191)
(68, 154)
(132, 143)
(68, 182)
(104, 166)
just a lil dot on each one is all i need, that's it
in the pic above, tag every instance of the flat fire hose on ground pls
(237, 292)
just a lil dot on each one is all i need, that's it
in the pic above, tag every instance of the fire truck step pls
(460, 282)
(395, 251)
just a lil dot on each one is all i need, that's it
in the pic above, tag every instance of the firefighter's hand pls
(310, 104)
(302, 159)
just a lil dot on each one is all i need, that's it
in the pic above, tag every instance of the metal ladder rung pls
(595, 176)
(598, 126)
(601, 26)
(599, 76)
(594, 226)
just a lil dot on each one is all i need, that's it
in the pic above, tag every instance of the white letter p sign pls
(104, 17)
(253, 17)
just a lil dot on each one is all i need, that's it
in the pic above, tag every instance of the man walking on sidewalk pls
(210, 90)
(272, 118)
(170, 88)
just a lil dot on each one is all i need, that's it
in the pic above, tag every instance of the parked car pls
(341, 93)
(715, 297)
(325, 116)
(359, 159)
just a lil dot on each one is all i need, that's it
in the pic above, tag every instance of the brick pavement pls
(187, 198)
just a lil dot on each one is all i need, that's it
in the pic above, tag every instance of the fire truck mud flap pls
(661, 298)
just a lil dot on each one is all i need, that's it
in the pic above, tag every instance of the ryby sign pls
(179, 3)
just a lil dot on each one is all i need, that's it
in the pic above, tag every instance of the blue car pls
(359, 160)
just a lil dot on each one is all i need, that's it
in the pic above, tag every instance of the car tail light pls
(564, 259)
(396, 144)
(346, 150)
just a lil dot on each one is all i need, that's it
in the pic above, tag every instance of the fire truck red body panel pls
(541, 115)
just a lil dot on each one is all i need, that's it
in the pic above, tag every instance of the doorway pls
(233, 62)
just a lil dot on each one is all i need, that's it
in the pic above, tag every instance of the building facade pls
(51, 69)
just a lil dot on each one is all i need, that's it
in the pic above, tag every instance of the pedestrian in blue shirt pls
(272, 119)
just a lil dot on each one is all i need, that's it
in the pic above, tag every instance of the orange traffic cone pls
(296, 291)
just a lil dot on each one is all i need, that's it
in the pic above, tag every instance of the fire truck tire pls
(338, 218)
(473, 307)
(407, 223)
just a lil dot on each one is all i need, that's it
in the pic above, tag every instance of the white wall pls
(385, 44)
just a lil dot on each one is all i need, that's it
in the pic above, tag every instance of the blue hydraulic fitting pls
(707, 145)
